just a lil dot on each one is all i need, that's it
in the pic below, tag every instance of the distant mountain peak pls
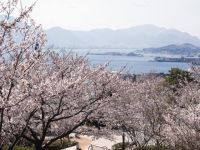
(56, 28)
(142, 36)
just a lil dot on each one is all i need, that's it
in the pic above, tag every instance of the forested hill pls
(183, 49)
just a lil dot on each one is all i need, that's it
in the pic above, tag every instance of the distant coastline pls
(118, 54)
(181, 59)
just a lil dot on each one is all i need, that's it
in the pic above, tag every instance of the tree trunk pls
(123, 141)
(1, 126)
(158, 144)
(38, 146)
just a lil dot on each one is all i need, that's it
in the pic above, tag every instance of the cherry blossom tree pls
(184, 115)
(21, 43)
(44, 93)
(139, 111)
(65, 93)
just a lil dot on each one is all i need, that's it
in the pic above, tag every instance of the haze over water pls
(132, 64)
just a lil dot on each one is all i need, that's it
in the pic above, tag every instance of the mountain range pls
(137, 37)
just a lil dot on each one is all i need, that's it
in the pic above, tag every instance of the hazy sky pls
(89, 14)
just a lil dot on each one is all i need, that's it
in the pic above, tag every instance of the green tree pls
(178, 78)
